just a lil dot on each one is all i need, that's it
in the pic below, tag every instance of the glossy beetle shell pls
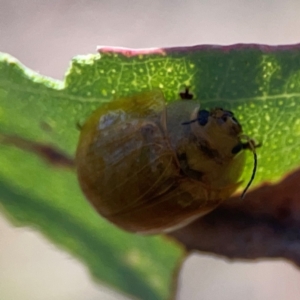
(147, 171)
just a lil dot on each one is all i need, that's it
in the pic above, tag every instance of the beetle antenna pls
(189, 122)
(250, 145)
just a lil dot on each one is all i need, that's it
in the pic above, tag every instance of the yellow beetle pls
(152, 167)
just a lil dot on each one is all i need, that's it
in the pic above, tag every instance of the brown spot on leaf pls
(53, 156)
(266, 224)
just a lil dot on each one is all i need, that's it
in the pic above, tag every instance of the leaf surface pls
(38, 117)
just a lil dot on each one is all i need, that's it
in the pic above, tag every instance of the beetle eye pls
(203, 117)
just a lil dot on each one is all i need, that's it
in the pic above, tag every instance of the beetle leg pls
(79, 125)
(186, 95)
(247, 145)
(186, 170)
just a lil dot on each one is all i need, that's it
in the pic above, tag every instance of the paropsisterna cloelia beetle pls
(152, 167)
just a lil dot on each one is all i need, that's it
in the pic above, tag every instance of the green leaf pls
(37, 193)
(260, 84)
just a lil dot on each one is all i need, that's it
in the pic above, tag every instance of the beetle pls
(151, 167)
